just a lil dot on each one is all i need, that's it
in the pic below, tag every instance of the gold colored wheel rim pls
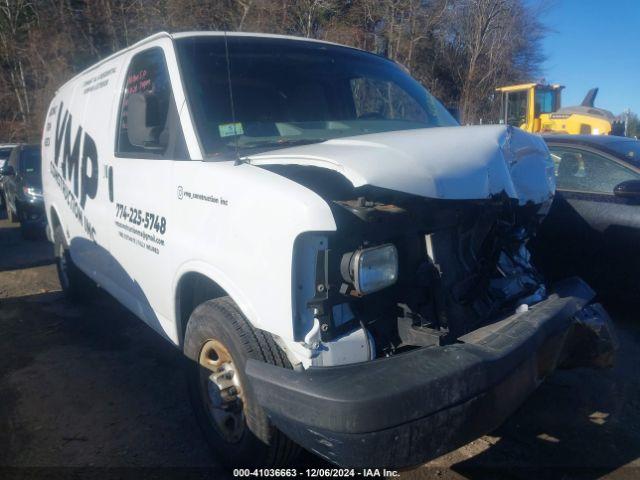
(221, 390)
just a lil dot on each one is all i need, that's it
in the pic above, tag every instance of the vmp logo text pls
(75, 167)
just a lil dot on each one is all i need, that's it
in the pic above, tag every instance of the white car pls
(344, 266)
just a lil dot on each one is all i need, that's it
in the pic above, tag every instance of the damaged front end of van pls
(425, 322)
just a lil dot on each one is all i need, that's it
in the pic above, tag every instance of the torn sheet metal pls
(455, 163)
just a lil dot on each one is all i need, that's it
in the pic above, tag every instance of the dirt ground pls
(90, 392)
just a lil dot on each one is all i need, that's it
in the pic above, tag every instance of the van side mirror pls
(7, 171)
(144, 126)
(455, 112)
(628, 189)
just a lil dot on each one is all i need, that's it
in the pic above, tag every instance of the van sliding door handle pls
(110, 181)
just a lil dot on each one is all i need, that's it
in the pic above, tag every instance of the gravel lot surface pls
(88, 391)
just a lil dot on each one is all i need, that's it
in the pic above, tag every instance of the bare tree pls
(15, 17)
(459, 49)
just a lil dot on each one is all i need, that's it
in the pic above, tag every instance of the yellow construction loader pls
(536, 107)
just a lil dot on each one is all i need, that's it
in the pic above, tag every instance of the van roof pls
(179, 35)
(197, 33)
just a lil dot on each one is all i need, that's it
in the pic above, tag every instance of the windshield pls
(30, 165)
(288, 92)
(629, 149)
(4, 153)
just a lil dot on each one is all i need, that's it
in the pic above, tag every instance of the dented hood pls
(455, 163)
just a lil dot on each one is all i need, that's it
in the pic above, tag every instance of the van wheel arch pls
(193, 289)
(55, 220)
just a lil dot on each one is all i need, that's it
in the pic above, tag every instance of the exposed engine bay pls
(461, 263)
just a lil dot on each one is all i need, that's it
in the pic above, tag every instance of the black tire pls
(76, 285)
(255, 442)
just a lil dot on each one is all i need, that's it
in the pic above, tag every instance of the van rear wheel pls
(218, 342)
(75, 284)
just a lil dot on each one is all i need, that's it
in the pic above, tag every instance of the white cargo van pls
(344, 266)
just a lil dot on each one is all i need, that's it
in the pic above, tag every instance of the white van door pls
(148, 140)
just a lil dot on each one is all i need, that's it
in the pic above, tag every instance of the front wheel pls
(218, 342)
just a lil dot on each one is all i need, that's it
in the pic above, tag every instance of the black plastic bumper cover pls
(32, 213)
(407, 409)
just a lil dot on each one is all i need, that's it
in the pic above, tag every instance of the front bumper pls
(31, 211)
(409, 408)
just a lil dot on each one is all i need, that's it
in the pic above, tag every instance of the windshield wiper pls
(281, 143)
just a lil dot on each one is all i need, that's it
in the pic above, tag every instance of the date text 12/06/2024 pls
(316, 472)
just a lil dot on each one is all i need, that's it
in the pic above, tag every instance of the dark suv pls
(22, 186)
(5, 151)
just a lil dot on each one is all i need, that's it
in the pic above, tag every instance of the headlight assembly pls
(371, 269)
(32, 191)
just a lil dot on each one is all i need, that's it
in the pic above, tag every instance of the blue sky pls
(595, 43)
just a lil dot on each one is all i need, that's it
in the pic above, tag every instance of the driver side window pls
(149, 126)
(585, 171)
